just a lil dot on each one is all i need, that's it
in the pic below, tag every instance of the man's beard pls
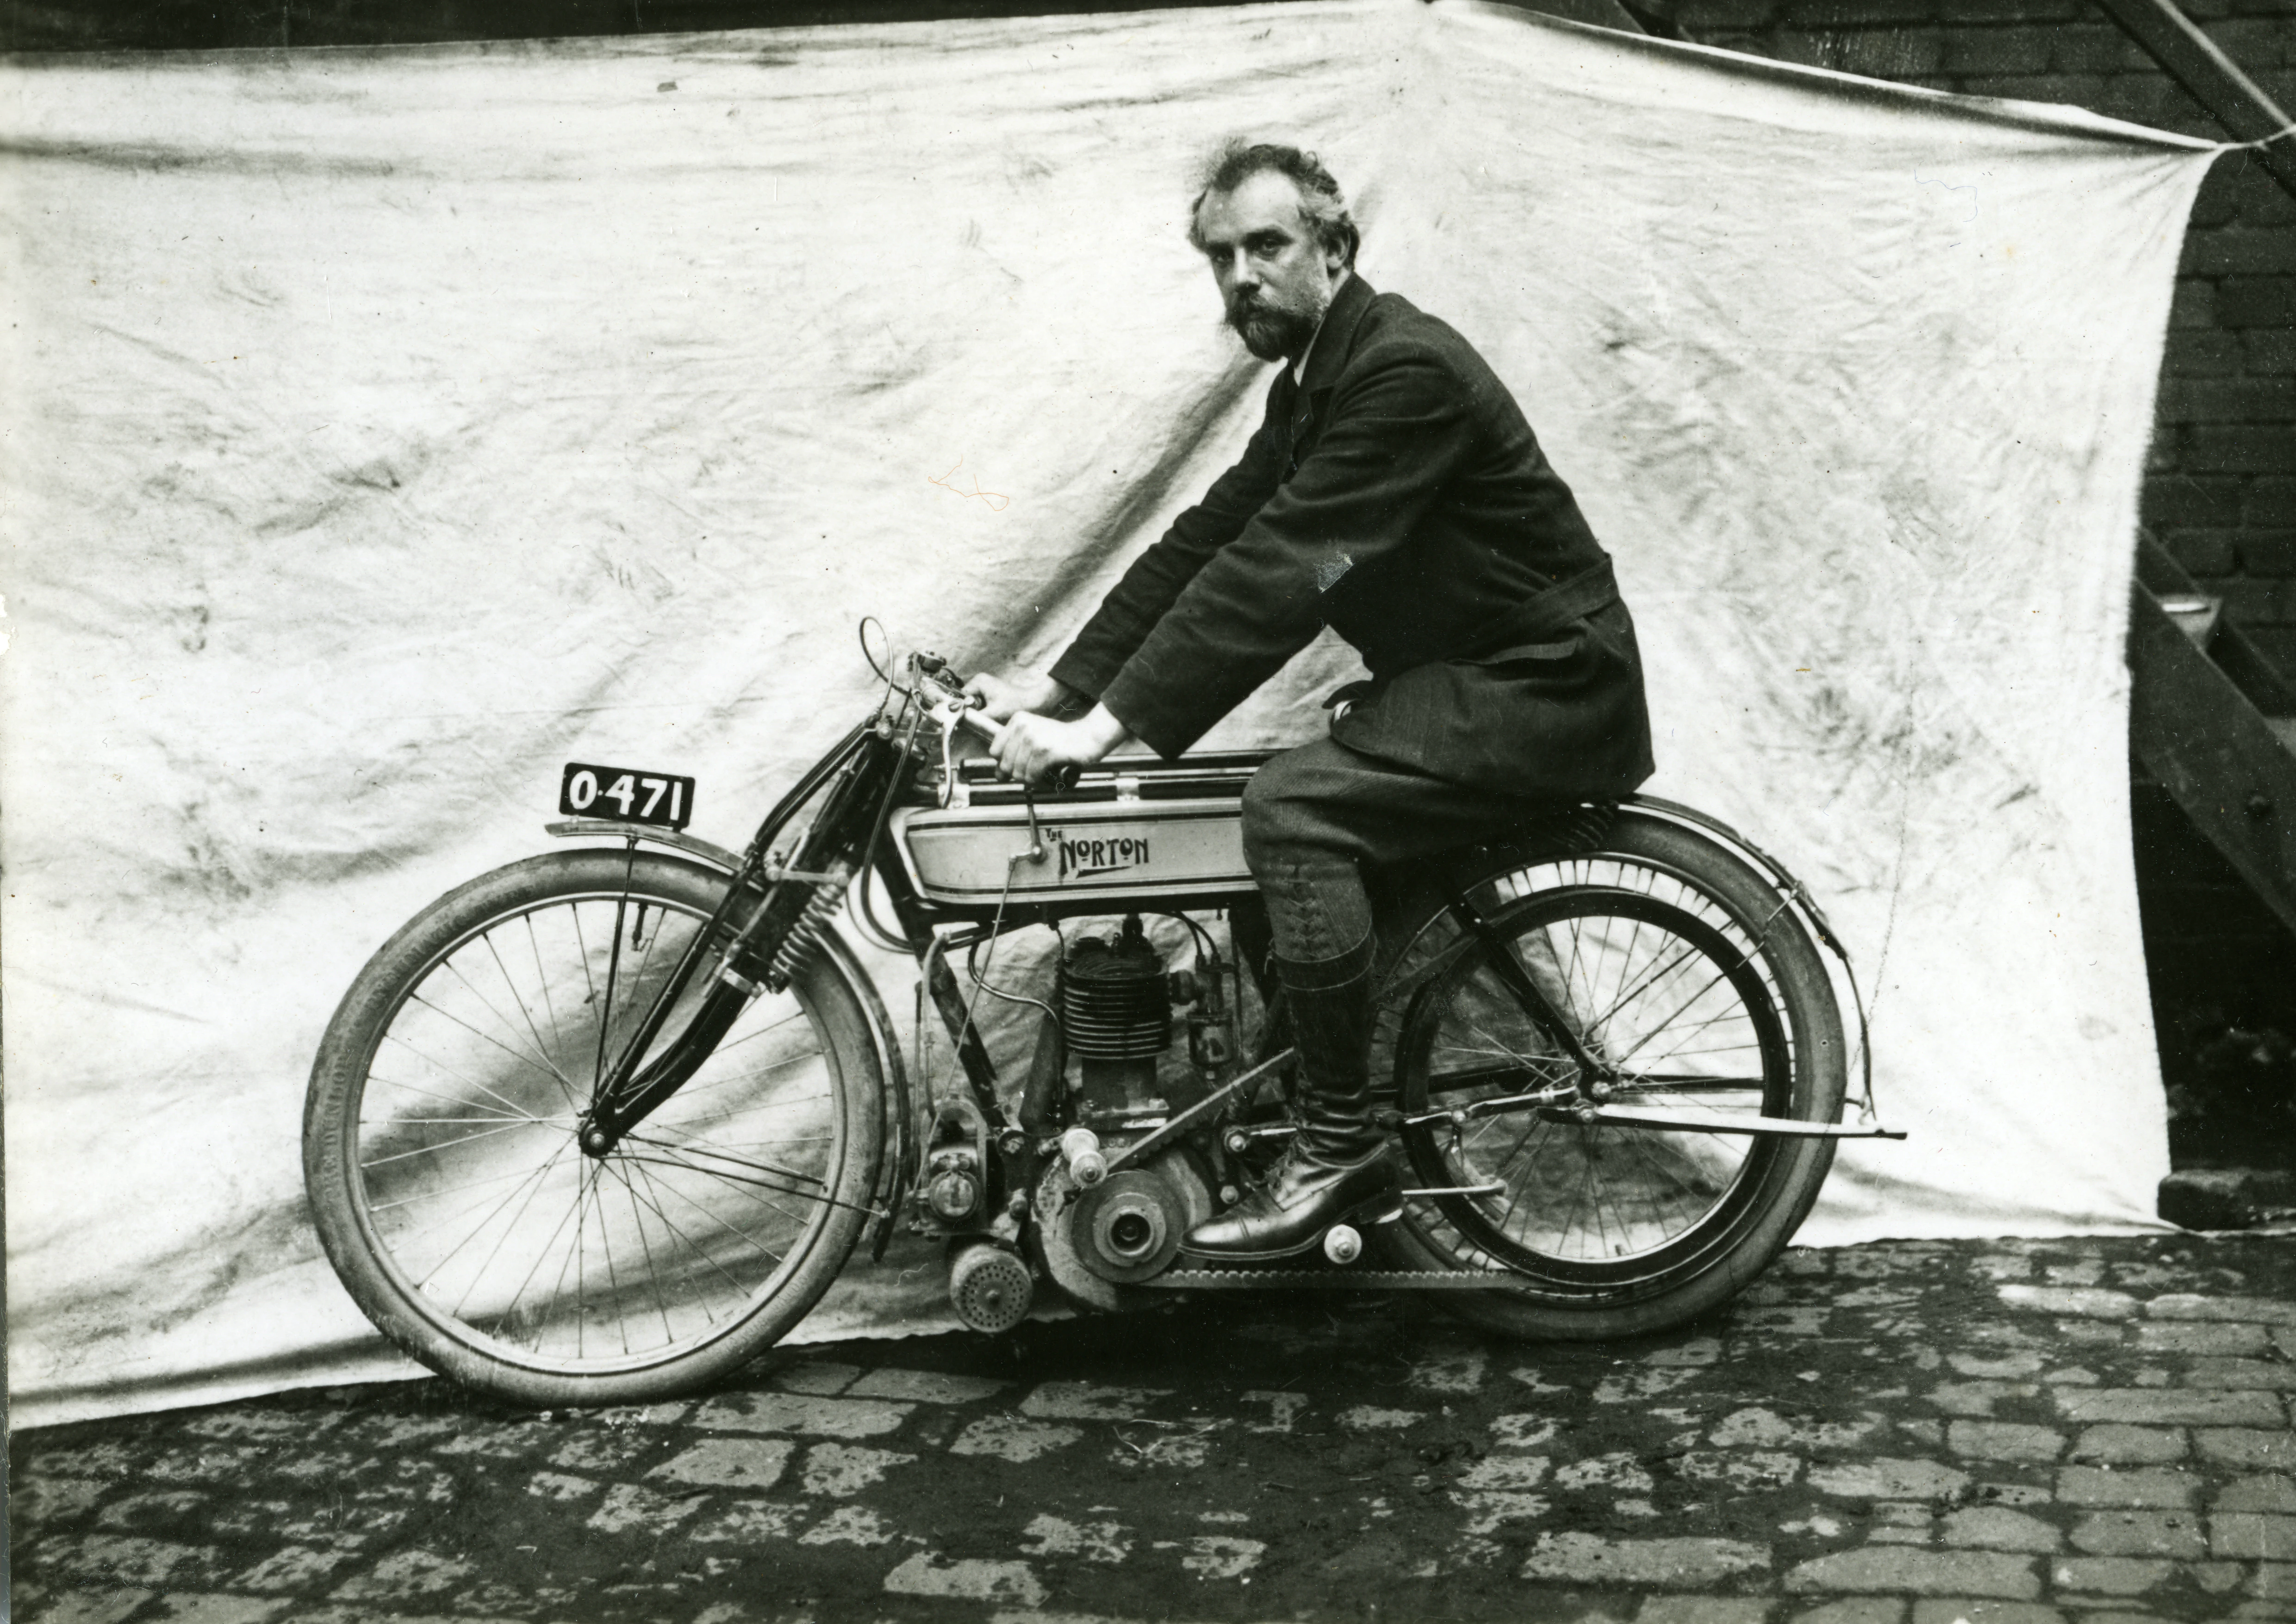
(1271, 331)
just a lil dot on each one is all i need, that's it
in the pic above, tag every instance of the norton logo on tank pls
(962, 854)
(1083, 857)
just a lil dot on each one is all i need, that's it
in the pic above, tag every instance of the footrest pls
(1326, 1280)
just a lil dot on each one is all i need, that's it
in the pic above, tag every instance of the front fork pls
(790, 906)
(622, 1101)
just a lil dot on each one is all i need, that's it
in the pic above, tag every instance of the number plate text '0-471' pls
(626, 795)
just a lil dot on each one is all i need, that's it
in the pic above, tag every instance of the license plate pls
(626, 795)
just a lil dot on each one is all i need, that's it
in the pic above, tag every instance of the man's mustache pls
(1244, 307)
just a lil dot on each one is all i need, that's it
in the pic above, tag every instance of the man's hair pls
(1321, 205)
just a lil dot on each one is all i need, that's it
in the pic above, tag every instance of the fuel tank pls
(1133, 830)
(1110, 852)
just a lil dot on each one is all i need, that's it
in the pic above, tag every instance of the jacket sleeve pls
(1401, 426)
(1158, 576)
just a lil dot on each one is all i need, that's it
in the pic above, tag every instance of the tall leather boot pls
(1336, 1167)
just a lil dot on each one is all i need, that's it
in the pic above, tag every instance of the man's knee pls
(1302, 861)
(1280, 819)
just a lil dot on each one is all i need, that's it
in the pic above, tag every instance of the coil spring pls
(806, 929)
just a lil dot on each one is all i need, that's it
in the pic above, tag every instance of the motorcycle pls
(601, 1126)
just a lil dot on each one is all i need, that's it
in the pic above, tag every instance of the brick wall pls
(2221, 486)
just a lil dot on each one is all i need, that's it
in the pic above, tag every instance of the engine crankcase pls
(1099, 1242)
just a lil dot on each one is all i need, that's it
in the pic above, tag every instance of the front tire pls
(1679, 966)
(461, 1213)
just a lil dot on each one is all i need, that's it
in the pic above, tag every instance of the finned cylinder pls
(1115, 999)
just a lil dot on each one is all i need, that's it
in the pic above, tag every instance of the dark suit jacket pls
(1397, 495)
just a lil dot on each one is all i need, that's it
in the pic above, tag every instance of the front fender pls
(599, 828)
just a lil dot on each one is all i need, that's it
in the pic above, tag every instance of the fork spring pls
(806, 931)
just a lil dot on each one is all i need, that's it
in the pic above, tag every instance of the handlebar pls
(955, 707)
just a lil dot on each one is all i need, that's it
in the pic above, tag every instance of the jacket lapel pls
(1327, 359)
(1302, 425)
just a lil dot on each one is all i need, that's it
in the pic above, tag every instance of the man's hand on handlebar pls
(1032, 747)
(1001, 698)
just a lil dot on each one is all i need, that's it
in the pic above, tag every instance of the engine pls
(1108, 1069)
(1115, 1078)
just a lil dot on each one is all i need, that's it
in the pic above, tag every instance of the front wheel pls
(1682, 972)
(463, 1216)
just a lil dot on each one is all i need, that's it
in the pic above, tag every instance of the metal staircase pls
(2216, 724)
(2209, 715)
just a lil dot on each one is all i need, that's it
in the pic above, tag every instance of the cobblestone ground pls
(1896, 1434)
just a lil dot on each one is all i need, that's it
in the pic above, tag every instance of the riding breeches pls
(1314, 815)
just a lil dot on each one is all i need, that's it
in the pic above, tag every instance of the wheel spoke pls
(512, 1106)
(542, 979)
(754, 1184)
(1504, 1078)
(700, 1253)
(485, 1037)
(755, 1167)
(432, 1150)
(526, 1015)
(1665, 1082)
(645, 1249)
(510, 1114)
(736, 1188)
(430, 1195)
(534, 1187)
(1720, 973)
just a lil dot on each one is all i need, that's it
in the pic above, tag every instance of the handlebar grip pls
(1062, 778)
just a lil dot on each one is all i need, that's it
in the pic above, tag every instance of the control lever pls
(953, 710)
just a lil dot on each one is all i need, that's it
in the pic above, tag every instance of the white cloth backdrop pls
(388, 427)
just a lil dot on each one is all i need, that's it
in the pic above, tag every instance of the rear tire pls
(1676, 962)
(462, 1216)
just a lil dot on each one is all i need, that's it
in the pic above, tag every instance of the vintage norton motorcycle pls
(604, 1124)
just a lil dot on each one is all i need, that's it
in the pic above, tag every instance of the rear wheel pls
(1675, 963)
(461, 1213)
